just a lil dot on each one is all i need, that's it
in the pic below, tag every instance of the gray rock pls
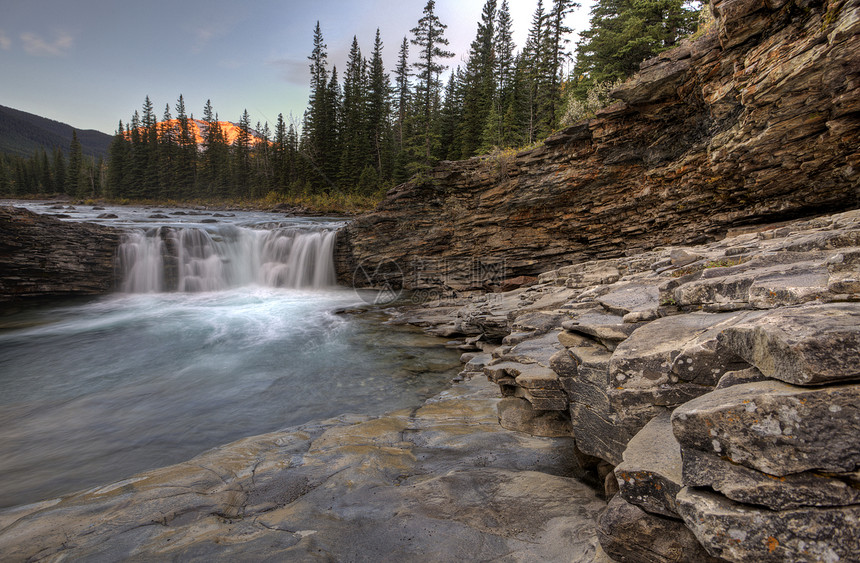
(607, 328)
(749, 375)
(805, 345)
(646, 359)
(790, 288)
(629, 298)
(520, 416)
(630, 535)
(650, 475)
(442, 482)
(664, 364)
(774, 427)
(741, 484)
(739, 532)
(593, 424)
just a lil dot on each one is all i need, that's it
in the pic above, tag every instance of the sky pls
(90, 63)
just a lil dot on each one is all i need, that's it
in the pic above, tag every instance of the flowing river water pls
(218, 331)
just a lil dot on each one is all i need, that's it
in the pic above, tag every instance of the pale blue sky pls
(90, 63)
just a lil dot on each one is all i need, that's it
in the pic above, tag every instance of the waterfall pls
(194, 259)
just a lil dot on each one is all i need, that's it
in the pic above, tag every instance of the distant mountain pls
(198, 129)
(22, 133)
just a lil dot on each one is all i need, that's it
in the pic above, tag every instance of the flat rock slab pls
(745, 485)
(609, 329)
(650, 475)
(774, 427)
(630, 535)
(740, 532)
(806, 345)
(443, 482)
(648, 358)
(634, 297)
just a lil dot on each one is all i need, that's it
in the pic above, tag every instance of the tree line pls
(374, 127)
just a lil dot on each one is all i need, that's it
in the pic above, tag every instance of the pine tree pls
(118, 156)
(479, 82)
(624, 33)
(242, 156)
(58, 171)
(353, 122)
(378, 109)
(168, 147)
(317, 129)
(451, 116)
(429, 37)
(149, 149)
(73, 173)
(186, 159)
(532, 61)
(556, 53)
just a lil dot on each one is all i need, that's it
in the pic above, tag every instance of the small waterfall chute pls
(194, 259)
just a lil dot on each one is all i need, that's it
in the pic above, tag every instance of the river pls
(238, 332)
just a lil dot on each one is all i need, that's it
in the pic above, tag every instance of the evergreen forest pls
(371, 125)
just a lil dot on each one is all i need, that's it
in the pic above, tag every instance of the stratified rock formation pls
(718, 383)
(755, 122)
(41, 256)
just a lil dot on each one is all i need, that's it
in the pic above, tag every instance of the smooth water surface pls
(96, 392)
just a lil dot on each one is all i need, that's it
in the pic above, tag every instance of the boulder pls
(650, 475)
(739, 532)
(590, 413)
(745, 485)
(774, 427)
(628, 534)
(805, 345)
(519, 415)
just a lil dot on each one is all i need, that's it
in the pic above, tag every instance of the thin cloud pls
(38, 47)
(293, 71)
(204, 34)
(5, 41)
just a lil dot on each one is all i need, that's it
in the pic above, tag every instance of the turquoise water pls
(95, 391)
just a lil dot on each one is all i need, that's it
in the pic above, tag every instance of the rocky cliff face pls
(45, 257)
(715, 387)
(757, 121)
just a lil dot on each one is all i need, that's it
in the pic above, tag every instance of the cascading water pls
(219, 331)
(224, 258)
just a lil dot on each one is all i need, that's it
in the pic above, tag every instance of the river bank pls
(657, 381)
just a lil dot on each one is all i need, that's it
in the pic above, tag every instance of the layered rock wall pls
(43, 257)
(715, 387)
(756, 121)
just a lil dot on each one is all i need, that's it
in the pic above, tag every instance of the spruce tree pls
(555, 53)
(479, 82)
(186, 167)
(623, 33)
(73, 173)
(429, 36)
(242, 157)
(118, 156)
(58, 170)
(402, 96)
(378, 109)
(353, 123)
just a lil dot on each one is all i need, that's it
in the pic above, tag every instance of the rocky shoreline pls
(715, 387)
(683, 404)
